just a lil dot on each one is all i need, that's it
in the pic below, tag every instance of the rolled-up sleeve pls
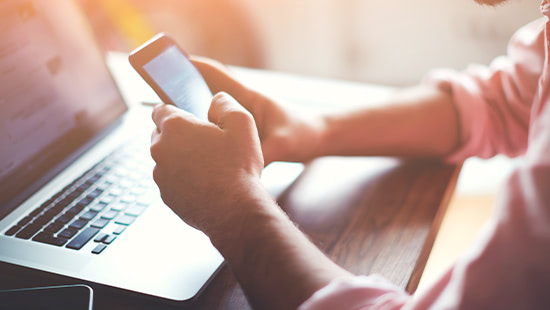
(493, 103)
(364, 292)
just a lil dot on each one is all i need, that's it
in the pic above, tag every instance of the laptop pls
(76, 193)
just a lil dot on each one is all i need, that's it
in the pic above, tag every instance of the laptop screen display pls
(55, 92)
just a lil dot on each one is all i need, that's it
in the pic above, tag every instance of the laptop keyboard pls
(97, 206)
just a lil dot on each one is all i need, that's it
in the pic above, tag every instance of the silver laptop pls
(76, 194)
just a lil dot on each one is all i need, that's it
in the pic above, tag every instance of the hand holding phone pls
(167, 69)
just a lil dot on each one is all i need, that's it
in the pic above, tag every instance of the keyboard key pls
(64, 202)
(28, 231)
(128, 198)
(78, 190)
(41, 208)
(68, 233)
(75, 210)
(126, 183)
(108, 239)
(81, 188)
(93, 179)
(54, 227)
(48, 238)
(100, 223)
(50, 214)
(100, 237)
(43, 219)
(104, 185)
(119, 229)
(108, 199)
(99, 248)
(74, 194)
(99, 206)
(137, 191)
(88, 183)
(12, 230)
(85, 201)
(125, 219)
(118, 206)
(146, 200)
(24, 221)
(54, 197)
(115, 191)
(95, 193)
(111, 214)
(65, 218)
(36, 211)
(88, 215)
(56, 209)
(78, 224)
(79, 241)
(135, 210)
(120, 171)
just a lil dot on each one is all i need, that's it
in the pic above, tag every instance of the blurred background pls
(378, 41)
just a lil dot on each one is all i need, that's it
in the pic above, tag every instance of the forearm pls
(277, 266)
(419, 121)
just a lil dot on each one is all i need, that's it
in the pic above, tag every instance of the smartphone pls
(74, 297)
(168, 70)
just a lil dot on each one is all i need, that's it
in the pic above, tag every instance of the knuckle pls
(155, 150)
(156, 174)
(156, 109)
(171, 122)
(219, 97)
(240, 116)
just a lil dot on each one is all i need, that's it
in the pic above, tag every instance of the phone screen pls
(181, 82)
(74, 297)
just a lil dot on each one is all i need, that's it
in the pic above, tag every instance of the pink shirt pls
(503, 108)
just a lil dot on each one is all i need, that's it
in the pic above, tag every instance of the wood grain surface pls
(369, 214)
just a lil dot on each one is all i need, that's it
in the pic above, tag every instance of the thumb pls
(227, 113)
(219, 78)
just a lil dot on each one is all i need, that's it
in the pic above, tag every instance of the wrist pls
(308, 137)
(246, 212)
(322, 129)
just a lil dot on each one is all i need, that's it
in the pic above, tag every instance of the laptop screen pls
(55, 92)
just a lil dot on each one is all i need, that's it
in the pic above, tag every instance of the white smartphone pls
(77, 297)
(168, 70)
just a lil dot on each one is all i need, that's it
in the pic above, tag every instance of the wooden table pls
(370, 215)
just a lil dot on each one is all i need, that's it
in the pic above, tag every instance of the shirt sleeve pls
(493, 103)
(363, 292)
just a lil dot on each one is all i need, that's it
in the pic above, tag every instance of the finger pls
(163, 113)
(219, 78)
(155, 135)
(227, 113)
(160, 112)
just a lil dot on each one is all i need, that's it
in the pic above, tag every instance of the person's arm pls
(208, 173)
(482, 111)
(419, 121)
(274, 262)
